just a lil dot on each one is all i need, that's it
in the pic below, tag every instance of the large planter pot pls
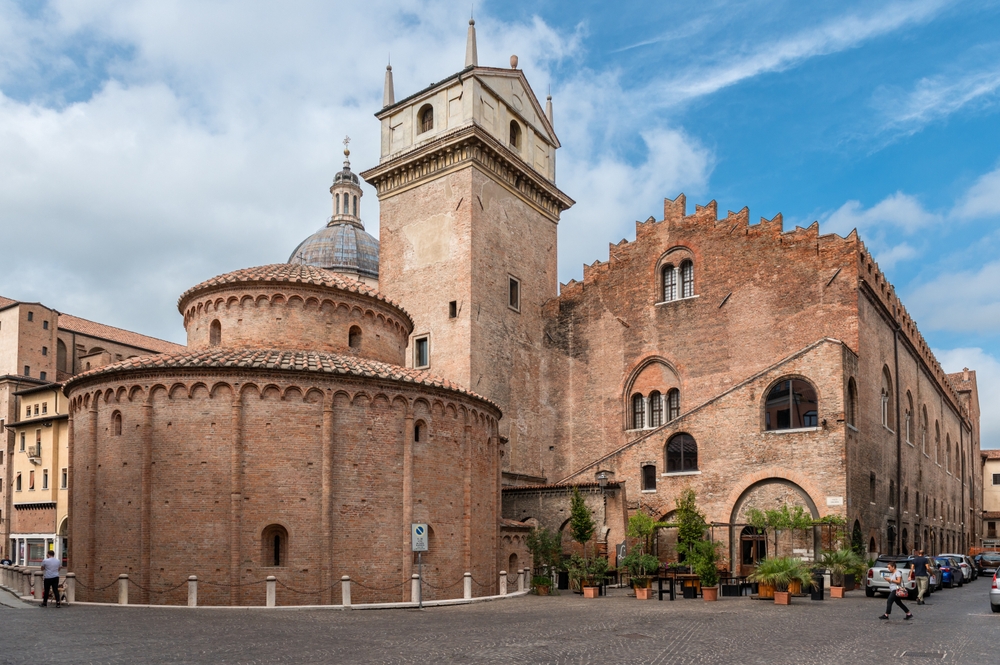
(590, 591)
(643, 592)
(542, 590)
(782, 598)
(795, 587)
(849, 584)
(765, 590)
(837, 592)
(710, 593)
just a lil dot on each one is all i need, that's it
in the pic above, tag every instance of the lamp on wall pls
(602, 480)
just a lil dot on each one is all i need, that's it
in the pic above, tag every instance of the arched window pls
(274, 546)
(337, 206)
(515, 135)
(426, 116)
(937, 442)
(947, 457)
(887, 403)
(669, 283)
(419, 431)
(923, 430)
(638, 411)
(61, 356)
(909, 417)
(354, 337)
(355, 206)
(682, 453)
(790, 404)
(116, 423)
(655, 409)
(852, 403)
(673, 404)
(687, 279)
(649, 476)
(512, 563)
(215, 333)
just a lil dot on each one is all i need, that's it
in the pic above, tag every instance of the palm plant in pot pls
(778, 573)
(840, 563)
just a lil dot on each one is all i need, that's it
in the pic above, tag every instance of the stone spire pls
(471, 57)
(548, 109)
(388, 95)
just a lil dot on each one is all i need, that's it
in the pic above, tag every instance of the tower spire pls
(471, 57)
(548, 106)
(388, 94)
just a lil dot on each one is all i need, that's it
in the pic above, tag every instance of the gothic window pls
(655, 409)
(61, 356)
(852, 403)
(687, 279)
(669, 283)
(638, 411)
(909, 417)
(937, 442)
(116, 420)
(923, 430)
(274, 546)
(887, 404)
(649, 477)
(673, 404)
(791, 404)
(682, 453)
(515, 135)
(215, 333)
(354, 337)
(355, 206)
(426, 116)
(947, 457)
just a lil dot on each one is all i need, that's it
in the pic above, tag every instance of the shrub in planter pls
(779, 572)
(704, 565)
(542, 584)
(841, 563)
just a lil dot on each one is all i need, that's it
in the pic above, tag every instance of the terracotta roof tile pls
(991, 514)
(281, 360)
(112, 334)
(510, 488)
(991, 454)
(288, 273)
(5, 302)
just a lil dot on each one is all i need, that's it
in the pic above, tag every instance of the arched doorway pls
(753, 549)
(771, 494)
(512, 564)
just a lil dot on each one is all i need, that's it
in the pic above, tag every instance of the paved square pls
(956, 627)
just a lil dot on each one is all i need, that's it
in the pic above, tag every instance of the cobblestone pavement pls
(956, 626)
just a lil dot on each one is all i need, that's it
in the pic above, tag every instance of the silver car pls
(965, 564)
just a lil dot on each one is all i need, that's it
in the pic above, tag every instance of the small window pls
(687, 279)
(655, 409)
(274, 546)
(515, 135)
(649, 477)
(215, 333)
(336, 199)
(36, 409)
(888, 415)
(871, 487)
(452, 309)
(996, 478)
(418, 432)
(116, 423)
(355, 206)
(45, 408)
(23, 440)
(682, 453)
(421, 352)
(514, 293)
(673, 404)
(45, 479)
(64, 483)
(17, 483)
(31, 481)
(45, 350)
(31, 316)
(354, 337)
(851, 408)
(42, 375)
(426, 116)
(27, 411)
(45, 325)
(669, 283)
(791, 404)
(27, 370)
(638, 411)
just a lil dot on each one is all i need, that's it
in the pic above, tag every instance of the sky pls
(148, 145)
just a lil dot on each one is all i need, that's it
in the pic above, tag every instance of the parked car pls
(876, 583)
(995, 595)
(951, 572)
(968, 573)
(987, 562)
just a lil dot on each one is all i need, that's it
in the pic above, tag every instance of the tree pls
(581, 520)
(545, 547)
(691, 524)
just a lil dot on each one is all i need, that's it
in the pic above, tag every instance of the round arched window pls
(791, 404)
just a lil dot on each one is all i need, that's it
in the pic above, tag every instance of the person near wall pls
(895, 580)
(50, 578)
(920, 564)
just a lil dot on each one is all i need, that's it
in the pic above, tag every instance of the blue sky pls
(145, 146)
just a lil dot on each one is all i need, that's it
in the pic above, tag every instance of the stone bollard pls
(415, 588)
(272, 588)
(467, 590)
(503, 582)
(520, 579)
(345, 590)
(123, 589)
(192, 591)
(37, 585)
(70, 588)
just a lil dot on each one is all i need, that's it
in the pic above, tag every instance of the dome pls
(341, 247)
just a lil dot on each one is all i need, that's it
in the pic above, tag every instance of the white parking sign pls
(418, 537)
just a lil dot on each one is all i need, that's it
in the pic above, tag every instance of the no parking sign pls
(418, 537)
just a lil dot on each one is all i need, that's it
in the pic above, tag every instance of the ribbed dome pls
(340, 247)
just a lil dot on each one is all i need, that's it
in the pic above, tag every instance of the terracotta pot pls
(795, 587)
(765, 590)
(837, 592)
(643, 592)
(710, 593)
(590, 591)
(782, 598)
(542, 590)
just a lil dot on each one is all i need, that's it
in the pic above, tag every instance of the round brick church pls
(289, 439)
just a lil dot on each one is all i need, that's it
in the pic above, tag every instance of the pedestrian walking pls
(920, 563)
(50, 576)
(896, 589)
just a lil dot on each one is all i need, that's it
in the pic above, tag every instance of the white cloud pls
(987, 369)
(899, 210)
(962, 301)
(982, 199)
(937, 97)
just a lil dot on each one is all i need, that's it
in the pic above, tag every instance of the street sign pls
(418, 537)
(620, 547)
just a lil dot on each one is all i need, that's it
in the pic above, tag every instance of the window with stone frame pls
(687, 278)
(426, 116)
(655, 409)
(274, 546)
(649, 477)
(669, 283)
(515, 135)
(681, 453)
(638, 411)
(514, 293)
(673, 404)
(421, 352)
(887, 402)
(996, 478)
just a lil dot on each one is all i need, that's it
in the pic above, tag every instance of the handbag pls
(902, 593)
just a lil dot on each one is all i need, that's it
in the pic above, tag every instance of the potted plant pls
(640, 564)
(546, 550)
(777, 573)
(708, 573)
(840, 563)
(541, 584)
(587, 571)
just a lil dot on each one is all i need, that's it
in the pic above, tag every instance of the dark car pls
(951, 573)
(987, 562)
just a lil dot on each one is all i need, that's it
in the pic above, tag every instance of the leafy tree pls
(545, 547)
(581, 520)
(691, 524)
